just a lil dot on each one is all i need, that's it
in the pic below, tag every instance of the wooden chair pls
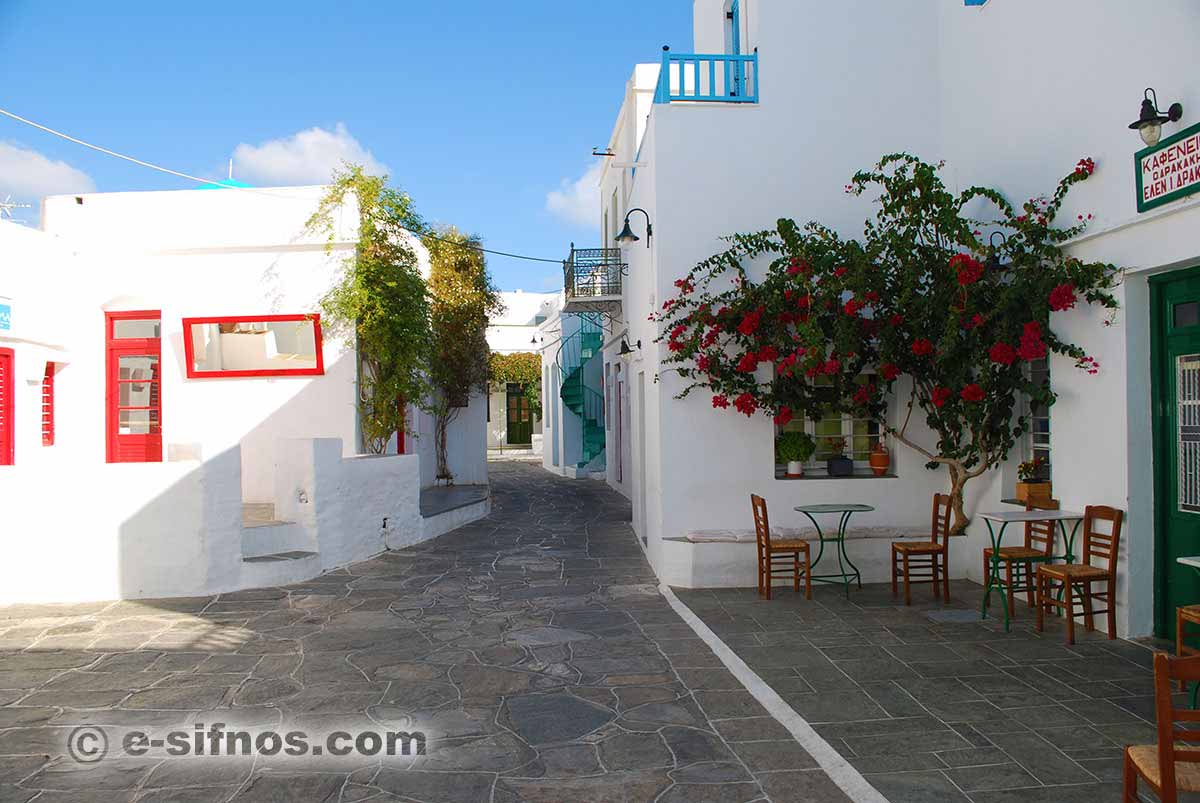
(1170, 766)
(1184, 616)
(1076, 580)
(779, 556)
(932, 555)
(1019, 561)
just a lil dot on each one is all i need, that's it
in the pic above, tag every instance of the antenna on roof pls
(7, 207)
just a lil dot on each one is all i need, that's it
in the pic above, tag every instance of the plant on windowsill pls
(794, 448)
(837, 464)
(1033, 485)
(921, 305)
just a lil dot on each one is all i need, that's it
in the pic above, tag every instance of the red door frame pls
(8, 432)
(144, 448)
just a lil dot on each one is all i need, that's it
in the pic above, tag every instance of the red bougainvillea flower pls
(1003, 354)
(748, 363)
(1062, 297)
(896, 320)
(746, 404)
(889, 371)
(768, 354)
(702, 362)
(797, 266)
(832, 367)
(787, 294)
(972, 393)
(720, 401)
(684, 286)
(970, 269)
(678, 331)
(974, 322)
(1088, 364)
(864, 394)
(872, 297)
(812, 371)
(854, 306)
(1032, 347)
(922, 347)
(840, 272)
(783, 416)
(751, 322)
(940, 396)
(1085, 167)
(711, 337)
(805, 301)
(675, 345)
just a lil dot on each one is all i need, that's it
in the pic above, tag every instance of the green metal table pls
(846, 511)
(1007, 517)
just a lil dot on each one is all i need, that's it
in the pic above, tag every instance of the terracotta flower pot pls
(880, 460)
(1027, 491)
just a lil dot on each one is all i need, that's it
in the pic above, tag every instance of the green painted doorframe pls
(1176, 532)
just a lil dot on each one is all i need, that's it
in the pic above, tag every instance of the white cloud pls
(578, 201)
(29, 176)
(306, 157)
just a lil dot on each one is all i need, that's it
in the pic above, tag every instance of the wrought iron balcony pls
(592, 279)
(709, 78)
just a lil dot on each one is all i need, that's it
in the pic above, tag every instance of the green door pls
(1176, 331)
(520, 419)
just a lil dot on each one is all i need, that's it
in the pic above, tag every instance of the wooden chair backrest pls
(940, 528)
(1039, 535)
(1172, 736)
(1098, 545)
(762, 526)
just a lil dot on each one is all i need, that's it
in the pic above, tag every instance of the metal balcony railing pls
(593, 273)
(710, 78)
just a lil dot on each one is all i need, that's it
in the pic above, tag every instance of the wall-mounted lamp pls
(625, 349)
(627, 237)
(535, 340)
(994, 259)
(1150, 120)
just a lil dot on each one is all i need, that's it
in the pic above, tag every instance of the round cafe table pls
(845, 511)
(1006, 518)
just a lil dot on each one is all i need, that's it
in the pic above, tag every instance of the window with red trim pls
(253, 345)
(48, 405)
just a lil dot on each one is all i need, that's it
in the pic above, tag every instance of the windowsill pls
(814, 475)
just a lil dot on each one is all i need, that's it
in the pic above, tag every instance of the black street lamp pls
(627, 237)
(1150, 120)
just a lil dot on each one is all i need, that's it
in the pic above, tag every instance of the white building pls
(512, 424)
(793, 98)
(175, 418)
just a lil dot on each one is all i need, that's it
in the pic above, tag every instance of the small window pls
(264, 345)
(48, 405)
(135, 328)
(1038, 442)
(1187, 314)
(859, 436)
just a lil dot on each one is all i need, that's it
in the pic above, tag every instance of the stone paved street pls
(933, 705)
(531, 647)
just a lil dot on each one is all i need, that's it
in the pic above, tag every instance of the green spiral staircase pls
(580, 397)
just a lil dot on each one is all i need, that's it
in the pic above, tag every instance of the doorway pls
(133, 409)
(520, 416)
(1175, 347)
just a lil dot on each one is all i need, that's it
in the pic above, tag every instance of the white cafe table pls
(1007, 517)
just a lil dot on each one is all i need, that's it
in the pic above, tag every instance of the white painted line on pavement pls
(848, 779)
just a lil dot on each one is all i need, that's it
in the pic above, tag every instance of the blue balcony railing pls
(708, 78)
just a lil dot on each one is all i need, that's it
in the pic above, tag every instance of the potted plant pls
(1033, 484)
(794, 448)
(837, 464)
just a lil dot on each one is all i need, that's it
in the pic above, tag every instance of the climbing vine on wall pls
(523, 368)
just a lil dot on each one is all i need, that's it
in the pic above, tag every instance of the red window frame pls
(142, 447)
(188, 349)
(48, 405)
(8, 432)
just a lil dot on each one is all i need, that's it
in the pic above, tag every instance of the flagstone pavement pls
(531, 648)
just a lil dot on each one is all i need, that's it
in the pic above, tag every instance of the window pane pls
(1187, 314)
(138, 386)
(267, 346)
(137, 422)
(127, 328)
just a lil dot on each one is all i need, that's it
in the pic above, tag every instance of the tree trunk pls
(441, 423)
(958, 479)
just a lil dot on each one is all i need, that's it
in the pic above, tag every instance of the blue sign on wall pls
(5, 317)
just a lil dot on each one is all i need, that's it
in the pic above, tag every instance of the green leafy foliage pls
(793, 446)
(921, 295)
(522, 368)
(379, 300)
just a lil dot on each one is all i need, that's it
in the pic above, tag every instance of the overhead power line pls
(179, 174)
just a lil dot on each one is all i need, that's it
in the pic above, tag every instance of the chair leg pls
(1112, 608)
(796, 571)
(894, 570)
(1028, 569)
(933, 571)
(1039, 581)
(1129, 777)
(946, 575)
(1085, 594)
(1008, 579)
(907, 592)
(1070, 612)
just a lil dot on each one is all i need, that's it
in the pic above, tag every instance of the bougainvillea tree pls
(835, 323)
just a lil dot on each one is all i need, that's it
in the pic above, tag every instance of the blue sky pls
(478, 109)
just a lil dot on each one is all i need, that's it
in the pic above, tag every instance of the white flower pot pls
(795, 468)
